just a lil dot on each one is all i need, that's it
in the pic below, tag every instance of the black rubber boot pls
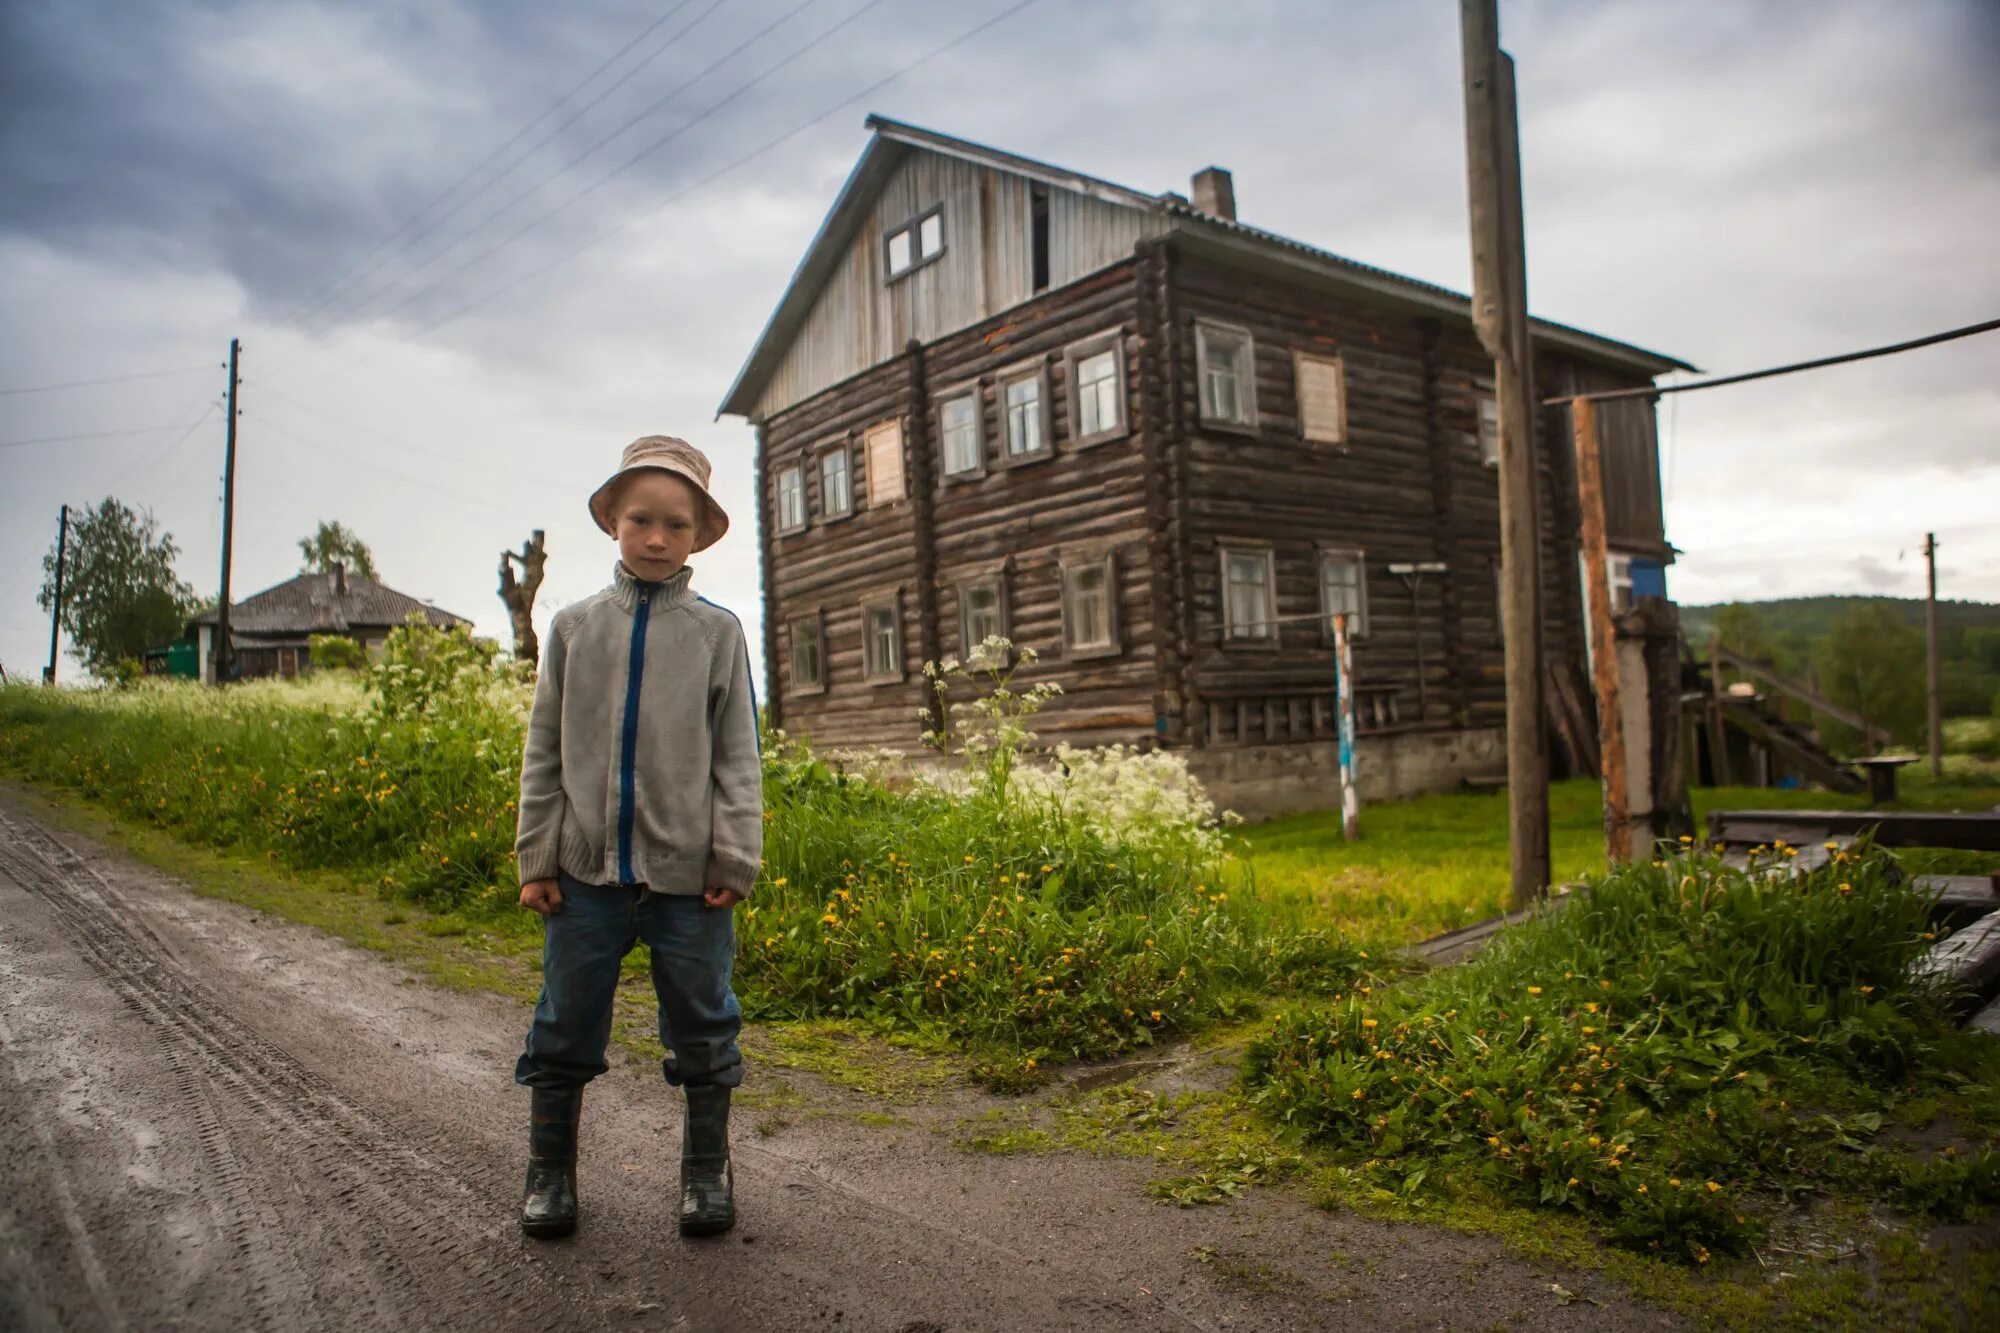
(708, 1197)
(548, 1206)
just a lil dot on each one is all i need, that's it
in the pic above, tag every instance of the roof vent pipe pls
(1215, 193)
(339, 578)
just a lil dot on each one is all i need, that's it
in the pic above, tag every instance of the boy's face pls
(657, 517)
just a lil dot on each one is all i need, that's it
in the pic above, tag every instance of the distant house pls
(1163, 447)
(270, 631)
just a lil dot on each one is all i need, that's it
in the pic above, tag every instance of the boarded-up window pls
(885, 463)
(1322, 399)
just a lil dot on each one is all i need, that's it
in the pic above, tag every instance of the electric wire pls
(736, 164)
(644, 153)
(339, 284)
(108, 379)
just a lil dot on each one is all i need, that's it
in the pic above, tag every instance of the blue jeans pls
(693, 948)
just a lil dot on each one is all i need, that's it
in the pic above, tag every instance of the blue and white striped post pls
(1343, 702)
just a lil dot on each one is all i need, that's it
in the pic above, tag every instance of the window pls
(915, 243)
(808, 655)
(882, 640)
(792, 498)
(1226, 368)
(1021, 399)
(1322, 384)
(1090, 607)
(836, 482)
(1343, 590)
(1249, 599)
(1489, 430)
(884, 444)
(1097, 391)
(982, 613)
(1618, 572)
(958, 426)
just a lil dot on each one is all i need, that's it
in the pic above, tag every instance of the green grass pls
(1428, 865)
(1655, 1056)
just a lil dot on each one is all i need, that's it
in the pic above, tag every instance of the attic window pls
(916, 242)
(1038, 235)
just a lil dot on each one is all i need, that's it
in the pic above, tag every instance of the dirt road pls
(223, 1121)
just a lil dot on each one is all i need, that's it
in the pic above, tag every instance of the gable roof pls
(309, 604)
(893, 141)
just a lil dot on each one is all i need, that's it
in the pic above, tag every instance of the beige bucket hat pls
(666, 454)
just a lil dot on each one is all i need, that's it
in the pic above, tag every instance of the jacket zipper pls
(635, 670)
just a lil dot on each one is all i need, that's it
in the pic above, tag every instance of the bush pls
(335, 652)
(1627, 1056)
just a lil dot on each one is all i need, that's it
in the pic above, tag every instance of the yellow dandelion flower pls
(1368, 1023)
(1573, 1182)
(1534, 990)
(781, 881)
(1713, 1188)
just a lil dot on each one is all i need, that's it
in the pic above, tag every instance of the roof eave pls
(1297, 257)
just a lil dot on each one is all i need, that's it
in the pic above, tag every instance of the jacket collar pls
(666, 594)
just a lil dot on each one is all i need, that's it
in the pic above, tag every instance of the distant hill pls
(1811, 617)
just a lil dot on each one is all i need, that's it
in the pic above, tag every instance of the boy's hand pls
(720, 900)
(542, 896)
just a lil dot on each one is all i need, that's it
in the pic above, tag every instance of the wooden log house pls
(1160, 446)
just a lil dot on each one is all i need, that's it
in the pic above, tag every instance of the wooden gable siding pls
(861, 320)
(1023, 518)
(1407, 486)
(1628, 436)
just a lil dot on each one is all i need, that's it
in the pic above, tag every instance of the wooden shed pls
(1162, 447)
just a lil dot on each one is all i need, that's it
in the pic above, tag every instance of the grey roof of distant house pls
(309, 604)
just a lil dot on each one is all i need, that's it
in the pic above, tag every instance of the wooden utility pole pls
(55, 612)
(520, 596)
(1931, 651)
(1604, 666)
(1500, 314)
(224, 655)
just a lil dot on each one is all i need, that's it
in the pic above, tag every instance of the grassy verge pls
(1428, 865)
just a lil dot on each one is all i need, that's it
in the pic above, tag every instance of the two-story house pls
(1162, 447)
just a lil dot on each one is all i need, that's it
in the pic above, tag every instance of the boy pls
(641, 817)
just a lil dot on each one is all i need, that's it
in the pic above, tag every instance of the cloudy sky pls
(469, 259)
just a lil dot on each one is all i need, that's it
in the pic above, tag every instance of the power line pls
(453, 460)
(109, 379)
(1652, 391)
(328, 294)
(88, 435)
(431, 487)
(588, 190)
(740, 162)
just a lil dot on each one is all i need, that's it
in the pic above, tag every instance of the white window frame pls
(915, 238)
(1357, 620)
(815, 627)
(788, 522)
(827, 454)
(976, 467)
(1208, 336)
(995, 583)
(1036, 373)
(1264, 634)
(1488, 427)
(1112, 643)
(1091, 349)
(1301, 361)
(873, 669)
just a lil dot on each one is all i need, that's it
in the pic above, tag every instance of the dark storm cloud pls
(280, 142)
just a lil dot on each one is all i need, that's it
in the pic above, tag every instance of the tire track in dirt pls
(357, 1222)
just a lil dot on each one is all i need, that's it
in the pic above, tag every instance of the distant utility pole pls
(1500, 314)
(55, 612)
(224, 656)
(1931, 651)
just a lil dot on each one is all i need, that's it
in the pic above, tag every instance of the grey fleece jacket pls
(641, 764)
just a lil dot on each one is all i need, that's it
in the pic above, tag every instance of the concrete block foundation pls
(1260, 781)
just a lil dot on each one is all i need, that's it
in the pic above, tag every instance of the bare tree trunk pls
(520, 596)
